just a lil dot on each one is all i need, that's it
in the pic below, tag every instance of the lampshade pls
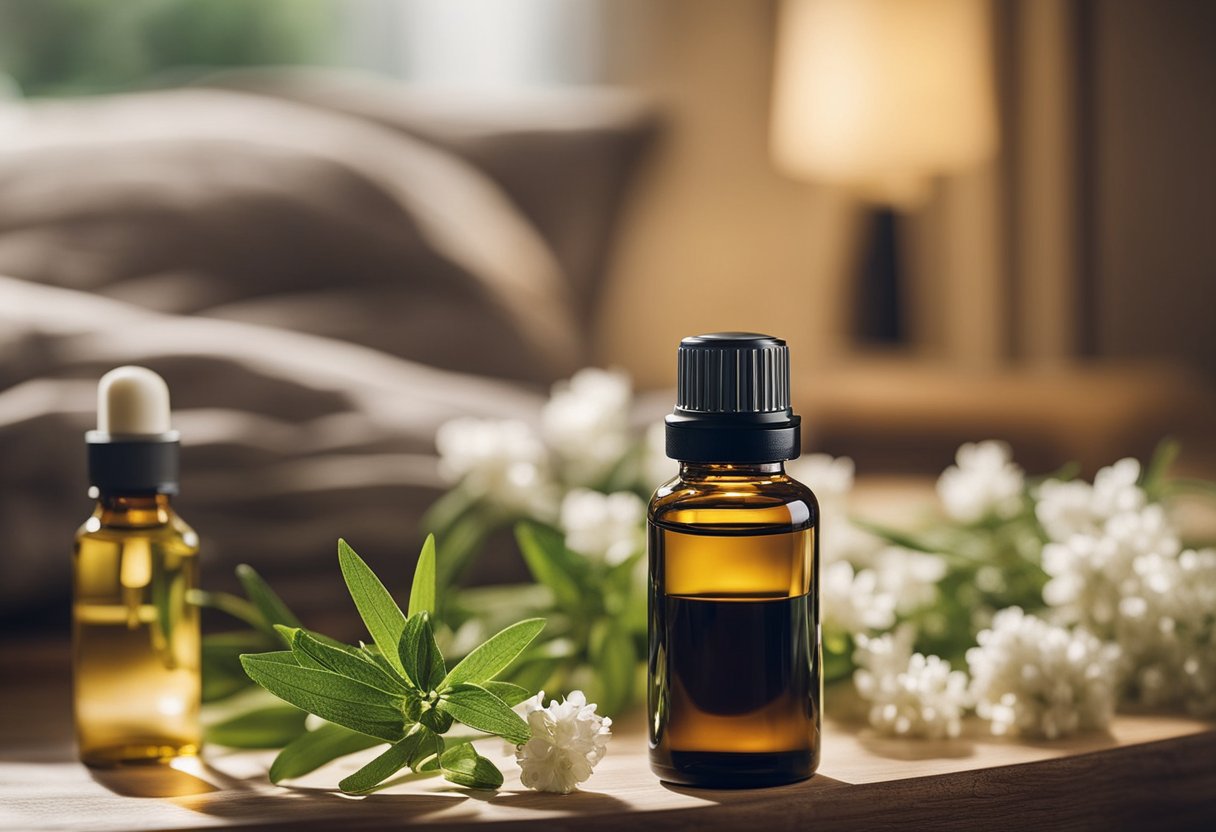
(882, 94)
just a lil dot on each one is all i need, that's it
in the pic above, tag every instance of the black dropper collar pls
(133, 464)
(733, 401)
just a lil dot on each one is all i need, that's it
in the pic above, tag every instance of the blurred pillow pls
(288, 440)
(566, 157)
(236, 206)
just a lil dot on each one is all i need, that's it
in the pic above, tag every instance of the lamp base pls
(878, 315)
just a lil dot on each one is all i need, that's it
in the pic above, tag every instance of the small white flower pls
(1076, 507)
(1092, 572)
(1117, 567)
(852, 601)
(586, 420)
(909, 577)
(841, 540)
(831, 478)
(606, 527)
(910, 695)
(501, 460)
(985, 482)
(1031, 678)
(568, 739)
(1166, 631)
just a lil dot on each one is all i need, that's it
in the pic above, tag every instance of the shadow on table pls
(198, 787)
(818, 782)
(576, 803)
(307, 809)
(183, 777)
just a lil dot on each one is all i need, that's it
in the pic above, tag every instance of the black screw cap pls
(733, 400)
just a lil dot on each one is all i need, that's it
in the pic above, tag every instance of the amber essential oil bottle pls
(734, 668)
(135, 634)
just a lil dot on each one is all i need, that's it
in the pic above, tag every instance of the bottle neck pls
(729, 470)
(132, 510)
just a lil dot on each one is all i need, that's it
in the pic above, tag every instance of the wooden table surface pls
(1154, 770)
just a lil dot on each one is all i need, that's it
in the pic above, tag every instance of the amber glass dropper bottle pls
(135, 635)
(734, 666)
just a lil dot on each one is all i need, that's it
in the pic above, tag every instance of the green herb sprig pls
(398, 690)
(596, 612)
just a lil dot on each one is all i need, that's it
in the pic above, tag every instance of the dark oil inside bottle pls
(734, 664)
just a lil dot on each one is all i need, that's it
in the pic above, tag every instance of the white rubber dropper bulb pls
(132, 401)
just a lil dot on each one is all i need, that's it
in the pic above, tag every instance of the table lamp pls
(880, 96)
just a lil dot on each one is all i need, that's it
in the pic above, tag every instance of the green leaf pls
(330, 696)
(273, 657)
(288, 634)
(448, 510)
(900, 538)
(492, 657)
(477, 708)
(221, 681)
(461, 543)
(836, 666)
(502, 599)
(221, 662)
(381, 615)
(1190, 485)
(435, 719)
(1152, 478)
(373, 654)
(422, 592)
(507, 692)
(310, 751)
(271, 727)
(345, 661)
(429, 748)
(463, 766)
(544, 552)
(269, 605)
(419, 654)
(228, 604)
(535, 673)
(395, 757)
(168, 598)
(615, 664)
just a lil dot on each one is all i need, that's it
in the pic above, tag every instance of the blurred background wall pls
(1085, 237)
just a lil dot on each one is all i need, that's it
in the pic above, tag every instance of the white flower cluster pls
(1117, 567)
(1031, 678)
(586, 421)
(583, 435)
(501, 460)
(852, 601)
(1165, 629)
(864, 583)
(831, 478)
(584, 432)
(568, 739)
(863, 600)
(909, 694)
(605, 527)
(983, 483)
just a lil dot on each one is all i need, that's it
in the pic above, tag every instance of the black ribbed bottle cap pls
(733, 400)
